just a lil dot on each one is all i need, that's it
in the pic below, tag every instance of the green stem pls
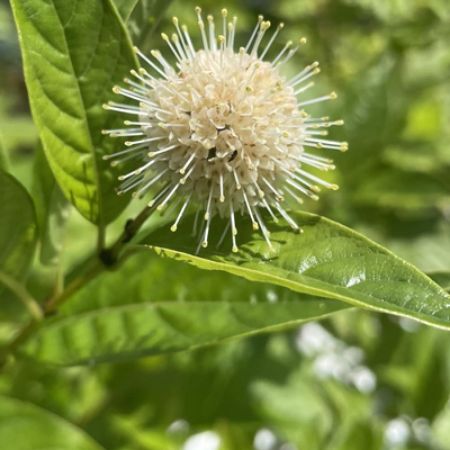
(23, 295)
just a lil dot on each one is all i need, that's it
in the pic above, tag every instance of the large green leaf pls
(129, 331)
(18, 229)
(73, 53)
(174, 307)
(24, 426)
(326, 260)
(167, 280)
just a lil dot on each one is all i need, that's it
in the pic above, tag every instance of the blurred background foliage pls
(355, 381)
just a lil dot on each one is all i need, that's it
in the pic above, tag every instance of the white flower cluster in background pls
(332, 358)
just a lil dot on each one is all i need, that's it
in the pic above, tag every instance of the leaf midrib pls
(82, 101)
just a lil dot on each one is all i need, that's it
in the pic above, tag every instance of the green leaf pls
(428, 249)
(327, 260)
(167, 280)
(3, 158)
(18, 229)
(123, 332)
(126, 7)
(52, 209)
(395, 189)
(189, 307)
(73, 53)
(24, 426)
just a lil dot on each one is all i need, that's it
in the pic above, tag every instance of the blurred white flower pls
(364, 379)
(179, 426)
(397, 433)
(207, 440)
(313, 339)
(223, 129)
(265, 439)
(332, 358)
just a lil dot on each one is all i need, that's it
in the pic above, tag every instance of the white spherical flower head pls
(223, 129)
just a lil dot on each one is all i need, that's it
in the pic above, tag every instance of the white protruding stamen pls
(224, 13)
(172, 48)
(212, 33)
(257, 27)
(149, 62)
(282, 52)
(263, 228)
(222, 196)
(187, 164)
(232, 33)
(145, 141)
(174, 227)
(302, 189)
(208, 204)
(188, 39)
(317, 179)
(304, 88)
(150, 183)
(222, 237)
(262, 31)
(162, 205)
(124, 152)
(269, 209)
(234, 248)
(249, 210)
(294, 196)
(287, 217)
(201, 25)
(324, 98)
(138, 171)
(184, 43)
(272, 39)
(163, 150)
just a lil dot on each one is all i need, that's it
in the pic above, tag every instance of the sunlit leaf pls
(326, 260)
(73, 53)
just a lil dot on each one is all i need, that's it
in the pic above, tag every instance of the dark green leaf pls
(395, 189)
(441, 278)
(18, 229)
(73, 53)
(167, 280)
(123, 332)
(327, 260)
(24, 426)
(51, 209)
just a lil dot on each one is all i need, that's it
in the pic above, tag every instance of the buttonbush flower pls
(222, 129)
